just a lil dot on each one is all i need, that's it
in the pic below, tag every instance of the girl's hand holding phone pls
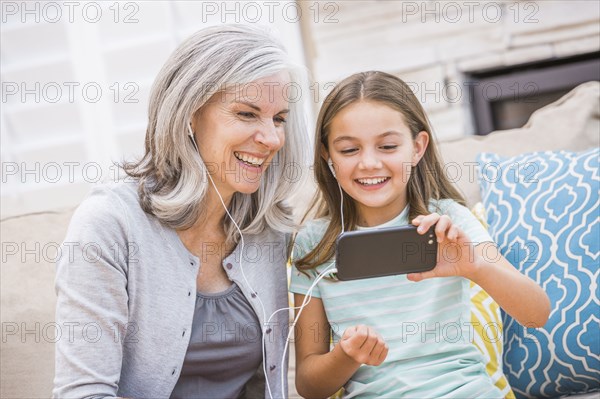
(364, 345)
(456, 255)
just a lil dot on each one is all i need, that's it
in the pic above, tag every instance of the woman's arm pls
(320, 372)
(516, 293)
(91, 309)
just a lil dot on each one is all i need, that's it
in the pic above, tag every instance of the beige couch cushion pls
(28, 300)
(27, 285)
(571, 123)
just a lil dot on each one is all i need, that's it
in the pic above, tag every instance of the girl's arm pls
(516, 293)
(320, 372)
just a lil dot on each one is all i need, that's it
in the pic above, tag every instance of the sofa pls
(30, 241)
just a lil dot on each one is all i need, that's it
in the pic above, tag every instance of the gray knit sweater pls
(126, 289)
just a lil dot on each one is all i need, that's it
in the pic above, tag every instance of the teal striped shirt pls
(426, 324)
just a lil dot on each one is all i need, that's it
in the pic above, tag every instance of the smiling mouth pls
(249, 159)
(372, 182)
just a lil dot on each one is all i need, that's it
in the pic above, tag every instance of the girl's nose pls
(369, 161)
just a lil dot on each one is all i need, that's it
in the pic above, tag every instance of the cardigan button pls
(229, 266)
(253, 295)
(174, 369)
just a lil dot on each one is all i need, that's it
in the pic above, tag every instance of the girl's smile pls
(373, 152)
(372, 183)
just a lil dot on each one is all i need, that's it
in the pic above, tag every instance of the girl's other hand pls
(456, 255)
(364, 345)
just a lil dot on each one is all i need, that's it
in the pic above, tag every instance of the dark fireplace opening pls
(505, 98)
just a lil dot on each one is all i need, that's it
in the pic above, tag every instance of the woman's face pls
(239, 131)
(373, 153)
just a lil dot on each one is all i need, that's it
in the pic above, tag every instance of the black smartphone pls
(385, 252)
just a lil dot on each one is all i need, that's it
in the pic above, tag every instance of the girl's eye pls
(389, 147)
(349, 151)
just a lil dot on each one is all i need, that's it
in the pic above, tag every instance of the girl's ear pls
(324, 153)
(420, 145)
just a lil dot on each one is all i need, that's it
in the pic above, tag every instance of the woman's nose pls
(269, 136)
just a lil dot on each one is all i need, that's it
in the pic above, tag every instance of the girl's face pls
(373, 153)
(238, 133)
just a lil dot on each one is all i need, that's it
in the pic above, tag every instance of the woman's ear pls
(420, 145)
(193, 123)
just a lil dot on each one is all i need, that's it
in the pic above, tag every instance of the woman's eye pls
(279, 120)
(246, 114)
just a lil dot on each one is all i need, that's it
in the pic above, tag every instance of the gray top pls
(225, 347)
(125, 302)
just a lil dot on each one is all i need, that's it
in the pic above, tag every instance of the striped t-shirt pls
(426, 324)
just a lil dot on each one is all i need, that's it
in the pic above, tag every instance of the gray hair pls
(173, 179)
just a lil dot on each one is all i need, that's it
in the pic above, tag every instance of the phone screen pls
(385, 252)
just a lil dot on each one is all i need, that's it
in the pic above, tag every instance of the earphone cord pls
(307, 298)
(250, 287)
(341, 205)
(239, 231)
(241, 265)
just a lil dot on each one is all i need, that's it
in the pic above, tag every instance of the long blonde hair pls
(427, 180)
(173, 179)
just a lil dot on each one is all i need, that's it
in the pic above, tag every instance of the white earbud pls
(332, 169)
(330, 164)
(191, 134)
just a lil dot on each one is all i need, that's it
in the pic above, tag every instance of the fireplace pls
(505, 98)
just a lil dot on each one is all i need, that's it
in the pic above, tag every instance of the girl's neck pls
(369, 217)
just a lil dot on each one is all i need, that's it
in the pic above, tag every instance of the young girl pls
(398, 336)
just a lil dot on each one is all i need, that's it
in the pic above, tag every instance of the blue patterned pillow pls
(544, 214)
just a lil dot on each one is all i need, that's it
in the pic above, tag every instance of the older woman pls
(169, 282)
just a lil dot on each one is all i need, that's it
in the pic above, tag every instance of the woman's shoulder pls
(113, 202)
(111, 196)
(123, 191)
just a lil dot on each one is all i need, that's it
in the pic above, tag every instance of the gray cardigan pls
(126, 294)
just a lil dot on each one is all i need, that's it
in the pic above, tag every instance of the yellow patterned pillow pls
(487, 325)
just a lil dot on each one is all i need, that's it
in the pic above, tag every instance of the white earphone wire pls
(341, 205)
(307, 298)
(263, 329)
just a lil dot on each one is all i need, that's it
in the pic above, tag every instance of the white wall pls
(52, 145)
(75, 82)
(432, 44)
